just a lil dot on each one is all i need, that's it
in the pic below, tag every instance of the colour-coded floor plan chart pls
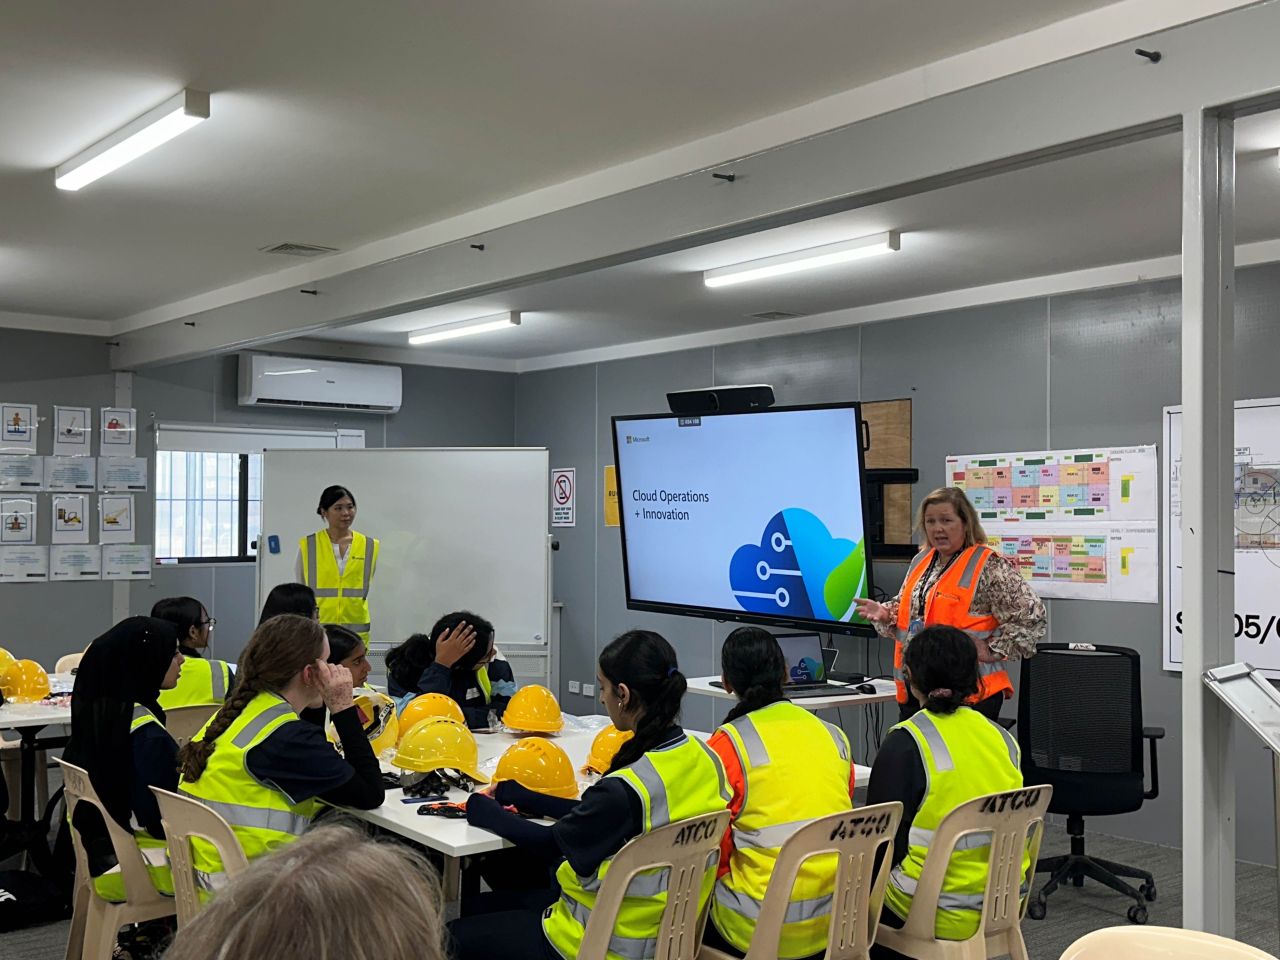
(1070, 558)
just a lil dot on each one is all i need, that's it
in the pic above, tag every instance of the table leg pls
(452, 879)
(27, 786)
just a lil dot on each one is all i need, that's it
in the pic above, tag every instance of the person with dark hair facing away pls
(462, 662)
(945, 755)
(785, 768)
(202, 681)
(263, 768)
(641, 687)
(295, 598)
(118, 738)
(339, 562)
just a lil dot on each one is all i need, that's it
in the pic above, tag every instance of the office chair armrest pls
(1151, 735)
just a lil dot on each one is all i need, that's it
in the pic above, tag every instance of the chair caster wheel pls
(1148, 891)
(1036, 909)
(1137, 914)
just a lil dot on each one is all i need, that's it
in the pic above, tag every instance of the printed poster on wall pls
(125, 561)
(21, 473)
(564, 497)
(72, 431)
(70, 518)
(18, 425)
(24, 564)
(119, 432)
(115, 519)
(69, 562)
(122, 473)
(17, 520)
(70, 474)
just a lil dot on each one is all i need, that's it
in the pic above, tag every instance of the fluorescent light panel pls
(784, 263)
(176, 115)
(464, 328)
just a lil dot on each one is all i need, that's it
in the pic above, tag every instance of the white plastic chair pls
(687, 848)
(95, 921)
(1159, 943)
(858, 894)
(68, 663)
(1015, 821)
(184, 818)
(183, 723)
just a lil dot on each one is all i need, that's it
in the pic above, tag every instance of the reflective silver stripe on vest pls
(326, 593)
(142, 713)
(842, 745)
(919, 837)
(311, 573)
(641, 885)
(757, 755)
(986, 669)
(259, 723)
(767, 838)
(357, 627)
(647, 774)
(259, 818)
(971, 567)
(797, 910)
(920, 558)
(725, 793)
(623, 946)
(1015, 753)
(218, 669)
(933, 736)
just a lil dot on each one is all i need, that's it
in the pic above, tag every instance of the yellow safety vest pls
(342, 598)
(201, 682)
(110, 885)
(965, 756)
(261, 817)
(677, 782)
(795, 769)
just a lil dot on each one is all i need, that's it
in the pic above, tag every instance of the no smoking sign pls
(564, 497)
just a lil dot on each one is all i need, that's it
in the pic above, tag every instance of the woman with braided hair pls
(262, 767)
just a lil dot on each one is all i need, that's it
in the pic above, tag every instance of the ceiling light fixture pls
(464, 328)
(784, 263)
(174, 116)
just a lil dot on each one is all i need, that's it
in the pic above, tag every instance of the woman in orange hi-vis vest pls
(957, 580)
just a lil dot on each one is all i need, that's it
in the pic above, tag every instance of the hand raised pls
(452, 645)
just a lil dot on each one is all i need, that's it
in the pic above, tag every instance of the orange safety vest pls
(948, 604)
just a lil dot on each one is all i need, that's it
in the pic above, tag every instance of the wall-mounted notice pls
(115, 518)
(18, 425)
(21, 473)
(125, 561)
(122, 473)
(24, 564)
(70, 518)
(119, 432)
(75, 563)
(611, 518)
(72, 431)
(70, 474)
(18, 520)
(564, 497)
(1083, 561)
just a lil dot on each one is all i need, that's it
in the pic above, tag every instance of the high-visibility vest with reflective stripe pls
(965, 756)
(343, 598)
(948, 603)
(201, 682)
(261, 817)
(676, 782)
(795, 768)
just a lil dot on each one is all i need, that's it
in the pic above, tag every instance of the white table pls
(885, 693)
(29, 719)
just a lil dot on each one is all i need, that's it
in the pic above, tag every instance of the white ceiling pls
(1115, 206)
(338, 124)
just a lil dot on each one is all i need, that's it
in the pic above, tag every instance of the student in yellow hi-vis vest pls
(118, 737)
(945, 755)
(203, 681)
(659, 776)
(338, 563)
(264, 768)
(786, 768)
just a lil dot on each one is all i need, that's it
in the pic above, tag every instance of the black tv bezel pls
(746, 616)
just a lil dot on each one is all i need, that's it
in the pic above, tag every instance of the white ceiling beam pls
(51, 324)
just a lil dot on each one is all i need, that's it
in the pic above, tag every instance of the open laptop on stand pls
(806, 667)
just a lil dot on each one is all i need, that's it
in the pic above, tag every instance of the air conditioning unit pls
(271, 381)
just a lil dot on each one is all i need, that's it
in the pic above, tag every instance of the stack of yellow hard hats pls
(429, 705)
(378, 718)
(24, 681)
(605, 747)
(541, 766)
(533, 709)
(438, 743)
(6, 660)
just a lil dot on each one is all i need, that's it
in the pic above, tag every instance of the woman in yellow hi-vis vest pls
(338, 563)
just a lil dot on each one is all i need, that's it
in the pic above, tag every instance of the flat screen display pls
(754, 516)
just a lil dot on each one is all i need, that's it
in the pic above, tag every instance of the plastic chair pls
(1159, 943)
(1015, 821)
(856, 836)
(183, 723)
(184, 818)
(67, 663)
(689, 848)
(95, 921)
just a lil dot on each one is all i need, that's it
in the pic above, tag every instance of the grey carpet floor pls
(1072, 912)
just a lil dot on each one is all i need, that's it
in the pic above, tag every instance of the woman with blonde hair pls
(956, 580)
(334, 893)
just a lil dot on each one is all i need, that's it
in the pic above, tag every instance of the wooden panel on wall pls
(890, 424)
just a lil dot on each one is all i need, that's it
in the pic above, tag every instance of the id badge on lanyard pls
(915, 626)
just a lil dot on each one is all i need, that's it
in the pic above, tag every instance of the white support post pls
(1208, 582)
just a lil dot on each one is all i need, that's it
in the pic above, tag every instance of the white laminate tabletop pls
(885, 692)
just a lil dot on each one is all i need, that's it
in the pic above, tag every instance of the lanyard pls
(918, 601)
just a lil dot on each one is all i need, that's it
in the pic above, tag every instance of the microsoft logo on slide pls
(634, 439)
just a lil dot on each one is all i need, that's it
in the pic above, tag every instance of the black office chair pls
(1080, 730)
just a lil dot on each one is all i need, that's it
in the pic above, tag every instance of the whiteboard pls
(1256, 517)
(460, 529)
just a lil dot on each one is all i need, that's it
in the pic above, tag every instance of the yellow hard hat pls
(533, 708)
(24, 681)
(6, 660)
(539, 765)
(438, 743)
(377, 717)
(430, 705)
(605, 747)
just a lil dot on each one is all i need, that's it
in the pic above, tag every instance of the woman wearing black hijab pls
(118, 737)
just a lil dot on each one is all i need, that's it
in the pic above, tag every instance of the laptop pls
(806, 667)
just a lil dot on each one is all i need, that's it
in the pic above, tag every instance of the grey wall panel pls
(808, 368)
(444, 407)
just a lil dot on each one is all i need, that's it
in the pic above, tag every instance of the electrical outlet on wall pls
(588, 689)
(574, 686)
